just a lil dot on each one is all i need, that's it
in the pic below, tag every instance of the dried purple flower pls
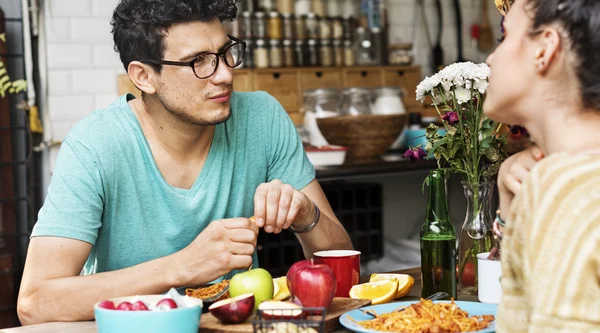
(415, 154)
(451, 118)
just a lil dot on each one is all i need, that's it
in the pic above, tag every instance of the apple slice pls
(233, 310)
(281, 310)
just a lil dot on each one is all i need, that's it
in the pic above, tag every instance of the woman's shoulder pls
(564, 179)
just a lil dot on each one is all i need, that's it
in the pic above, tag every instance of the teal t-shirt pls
(107, 190)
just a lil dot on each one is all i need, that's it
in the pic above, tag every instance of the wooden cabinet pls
(242, 80)
(282, 84)
(320, 78)
(367, 77)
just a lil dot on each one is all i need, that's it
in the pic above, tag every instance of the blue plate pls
(473, 308)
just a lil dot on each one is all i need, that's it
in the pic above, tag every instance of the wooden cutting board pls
(339, 306)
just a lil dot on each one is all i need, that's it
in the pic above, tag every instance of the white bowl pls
(327, 155)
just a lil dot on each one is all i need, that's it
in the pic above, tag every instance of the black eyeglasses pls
(206, 64)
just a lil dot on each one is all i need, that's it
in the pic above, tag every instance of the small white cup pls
(489, 272)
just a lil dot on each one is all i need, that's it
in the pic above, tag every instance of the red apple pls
(281, 310)
(109, 305)
(125, 306)
(233, 310)
(312, 284)
(139, 306)
(292, 272)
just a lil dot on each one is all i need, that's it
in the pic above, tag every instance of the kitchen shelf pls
(344, 172)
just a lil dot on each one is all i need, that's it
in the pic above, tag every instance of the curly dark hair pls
(580, 21)
(138, 26)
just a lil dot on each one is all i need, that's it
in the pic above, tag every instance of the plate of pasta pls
(423, 316)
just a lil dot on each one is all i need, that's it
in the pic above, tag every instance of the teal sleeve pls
(74, 203)
(286, 158)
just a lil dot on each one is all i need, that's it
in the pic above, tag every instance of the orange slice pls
(280, 289)
(378, 292)
(405, 282)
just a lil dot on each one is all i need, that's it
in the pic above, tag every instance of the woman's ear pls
(142, 76)
(548, 49)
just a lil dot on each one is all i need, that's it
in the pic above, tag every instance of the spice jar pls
(312, 26)
(300, 25)
(259, 27)
(302, 7)
(288, 53)
(349, 53)
(325, 28)
(338, 53)
(287, 21)
(261, 54)
(285, 6)
(300, 53)
(266, 5)
(246, 29)
(275, 53)
(337, 28)
(326, 53)
(312, 53)
(275, 28)
(249, 55)
(318, 7)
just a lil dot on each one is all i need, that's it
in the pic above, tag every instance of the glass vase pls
(476, 234)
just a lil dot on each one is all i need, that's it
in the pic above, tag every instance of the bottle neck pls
(437, 206)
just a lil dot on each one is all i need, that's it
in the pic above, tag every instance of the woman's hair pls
(580, 20)
(139, 26)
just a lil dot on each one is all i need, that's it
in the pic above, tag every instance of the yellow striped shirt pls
(551, 249)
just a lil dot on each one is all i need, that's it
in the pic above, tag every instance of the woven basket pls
(366, 136)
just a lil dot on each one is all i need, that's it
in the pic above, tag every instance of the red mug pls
(346, 267)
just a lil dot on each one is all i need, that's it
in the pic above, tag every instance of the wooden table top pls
(90, 326)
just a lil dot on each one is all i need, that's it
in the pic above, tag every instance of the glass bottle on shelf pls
(289, 24)
(349, 59)
(338, 53)
(285, 6)
(261, 54)
(300, 26)
(300, 53)
(246, 28)
(438, 241)
(249, 55)
(275, 53)
(274, 26)
(259, 30)
(312, 26)
(312, 53)
(288, 53)
(326, 53)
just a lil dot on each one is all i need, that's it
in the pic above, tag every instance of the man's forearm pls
(328, 234)
(72, 298)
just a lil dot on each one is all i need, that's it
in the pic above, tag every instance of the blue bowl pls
(180, 320)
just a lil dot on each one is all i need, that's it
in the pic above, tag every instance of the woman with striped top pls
(546, 76)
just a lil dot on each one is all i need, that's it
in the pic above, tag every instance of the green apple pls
(256, 281)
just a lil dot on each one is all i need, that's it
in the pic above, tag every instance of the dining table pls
(90, 326)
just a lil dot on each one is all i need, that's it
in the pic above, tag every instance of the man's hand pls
(278, 205)
(224, 245)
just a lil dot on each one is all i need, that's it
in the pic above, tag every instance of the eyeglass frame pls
(191, 63)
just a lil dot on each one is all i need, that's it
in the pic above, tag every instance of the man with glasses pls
(156, 192)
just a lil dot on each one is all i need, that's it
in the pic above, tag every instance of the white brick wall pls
(83, 65)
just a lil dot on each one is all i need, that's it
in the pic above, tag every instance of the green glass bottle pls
(438, 242)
